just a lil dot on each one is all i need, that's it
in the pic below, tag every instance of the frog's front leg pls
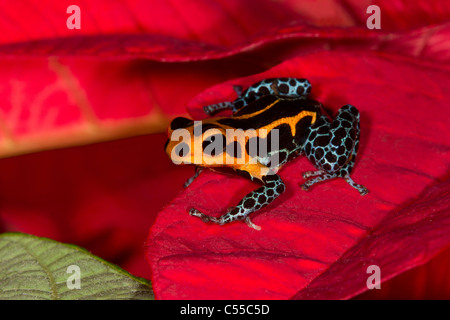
(255, 200)
(332, 148)
(198, 170)
(213, 108)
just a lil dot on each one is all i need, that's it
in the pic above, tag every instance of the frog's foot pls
(322, 176)
(362, 189)
(319, 177)
(251, 224)
(309, 174)
(205, 218)
(226, 218)
(213, 108)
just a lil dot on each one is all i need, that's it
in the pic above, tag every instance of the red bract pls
(55, 102)
(66, 99)
(429, 281)
(103, 197)
(112, 79)
(318, 244)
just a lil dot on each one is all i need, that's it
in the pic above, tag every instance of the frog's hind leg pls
(333, 148)
(344, 115)
(319, 175)
(323, 175)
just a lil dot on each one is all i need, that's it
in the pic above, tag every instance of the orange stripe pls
(246, 116)
(291, 121)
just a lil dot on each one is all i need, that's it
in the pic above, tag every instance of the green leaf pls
(39, 268)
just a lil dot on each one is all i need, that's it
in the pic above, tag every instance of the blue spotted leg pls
(332, 148)
(255, 200)
(188, 182)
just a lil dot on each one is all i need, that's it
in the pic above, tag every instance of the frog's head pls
(199, 142)
(176, 147)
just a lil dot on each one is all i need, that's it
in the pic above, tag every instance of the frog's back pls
(292, 117)
(281, 126)
(270, 109)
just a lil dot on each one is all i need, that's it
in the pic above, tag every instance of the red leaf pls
(103, 197)
(402, 240)
(186, 31)
(306, 237)
(429, 281)
(57, 102)
(67, 100)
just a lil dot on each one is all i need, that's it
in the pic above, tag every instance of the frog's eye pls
(214, 144)
(182, 149)
(180, 123)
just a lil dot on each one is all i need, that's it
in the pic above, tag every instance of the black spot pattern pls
(333, 143)
(340, 152)
(255, 200)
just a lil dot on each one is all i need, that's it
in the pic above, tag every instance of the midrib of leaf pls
(48, 273)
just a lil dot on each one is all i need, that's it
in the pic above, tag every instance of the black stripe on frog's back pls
(261, 115)
(256, 106)
(284, 141)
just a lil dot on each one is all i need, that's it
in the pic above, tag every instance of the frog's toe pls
(204, 217)
(251, 224)
(196, 213)
(309, 174)
(361, 189)
(209, 110)
(319, 177)
(305, 175)
(304, 187)
(213, 108)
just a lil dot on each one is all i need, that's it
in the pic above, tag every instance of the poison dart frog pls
(302, 128)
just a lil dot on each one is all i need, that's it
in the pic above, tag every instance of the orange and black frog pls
(272, 122)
